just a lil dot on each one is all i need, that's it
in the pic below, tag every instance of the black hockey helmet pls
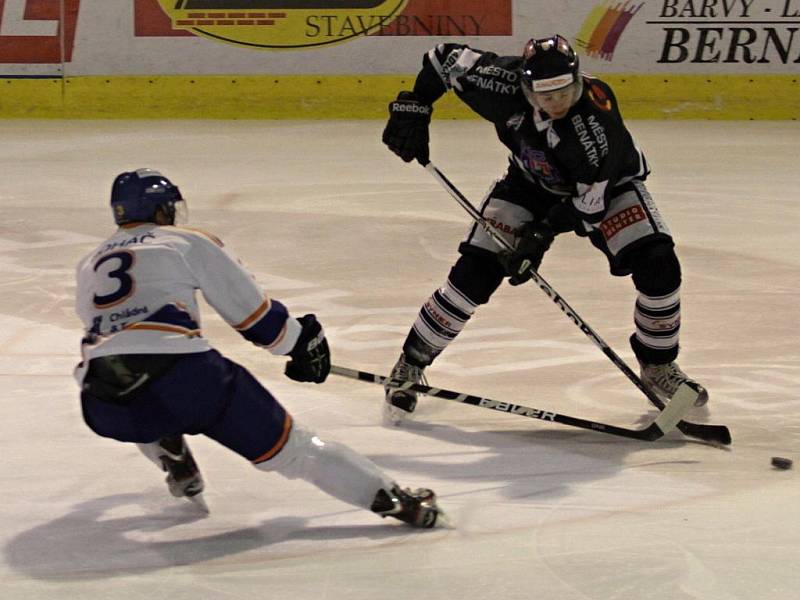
(549, 64)
(137, 195)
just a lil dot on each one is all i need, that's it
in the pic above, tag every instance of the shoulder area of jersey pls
(194, 232)
(598, 92)
(134, 229)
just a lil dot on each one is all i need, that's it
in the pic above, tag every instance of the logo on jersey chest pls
(537, 163)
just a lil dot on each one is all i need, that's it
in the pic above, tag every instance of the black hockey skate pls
(418, 508)
(399, 402)
(183, 476)
(665, 379)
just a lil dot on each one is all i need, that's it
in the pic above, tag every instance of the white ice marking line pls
(52, 237)
(525, 365)
(774, 374)
(747, 384)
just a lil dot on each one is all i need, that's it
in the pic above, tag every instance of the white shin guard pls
(332, 467)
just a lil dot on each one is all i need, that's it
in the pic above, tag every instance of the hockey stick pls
(718, 434)
(665, 422)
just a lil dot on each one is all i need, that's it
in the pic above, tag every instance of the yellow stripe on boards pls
(366, 97)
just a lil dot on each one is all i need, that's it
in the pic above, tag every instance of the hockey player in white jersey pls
(148, 375)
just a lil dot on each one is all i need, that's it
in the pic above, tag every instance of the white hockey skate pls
(665, 379)
(418, 508)
(400, 403)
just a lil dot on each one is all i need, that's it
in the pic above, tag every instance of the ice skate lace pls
(404, 371)
(668, 377)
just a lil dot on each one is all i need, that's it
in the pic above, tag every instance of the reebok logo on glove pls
(422, 109)
(406, 133)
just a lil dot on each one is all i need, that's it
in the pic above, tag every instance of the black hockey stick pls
(664, 423)
(718, 434)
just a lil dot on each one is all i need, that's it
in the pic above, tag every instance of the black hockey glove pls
(406, 133)
(562, 219)
(534, 241)
(310, 357)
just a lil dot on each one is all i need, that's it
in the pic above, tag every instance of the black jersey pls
(583, 155)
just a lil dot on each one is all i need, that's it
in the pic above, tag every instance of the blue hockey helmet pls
(137, 196)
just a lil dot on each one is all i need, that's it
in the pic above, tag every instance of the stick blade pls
(722, 435)
(715, 434)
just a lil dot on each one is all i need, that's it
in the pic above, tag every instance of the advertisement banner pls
(389, 36)
(346, 58)
(287, 24)
(38, 32)
(690, 35)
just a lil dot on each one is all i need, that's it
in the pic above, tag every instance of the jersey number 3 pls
(120, 273)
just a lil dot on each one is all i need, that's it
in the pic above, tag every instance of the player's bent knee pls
(332, 467)
(301, 448)
(477, 275)
(656, 269)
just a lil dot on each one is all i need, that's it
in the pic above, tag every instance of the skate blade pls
(393, 416)
(199, 502)
(443, 521)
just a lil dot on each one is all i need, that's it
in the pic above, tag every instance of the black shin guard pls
(657, 277)
(471, 282)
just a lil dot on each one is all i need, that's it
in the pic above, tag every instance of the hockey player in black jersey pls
(573, 167)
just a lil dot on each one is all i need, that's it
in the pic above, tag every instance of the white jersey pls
(136, 295)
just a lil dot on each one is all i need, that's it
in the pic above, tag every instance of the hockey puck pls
(781, 463)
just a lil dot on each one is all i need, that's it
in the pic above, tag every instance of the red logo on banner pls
(31, 31)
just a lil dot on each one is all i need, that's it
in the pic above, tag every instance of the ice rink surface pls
(330, 222)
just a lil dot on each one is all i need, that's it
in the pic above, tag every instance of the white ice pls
(332, 223)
